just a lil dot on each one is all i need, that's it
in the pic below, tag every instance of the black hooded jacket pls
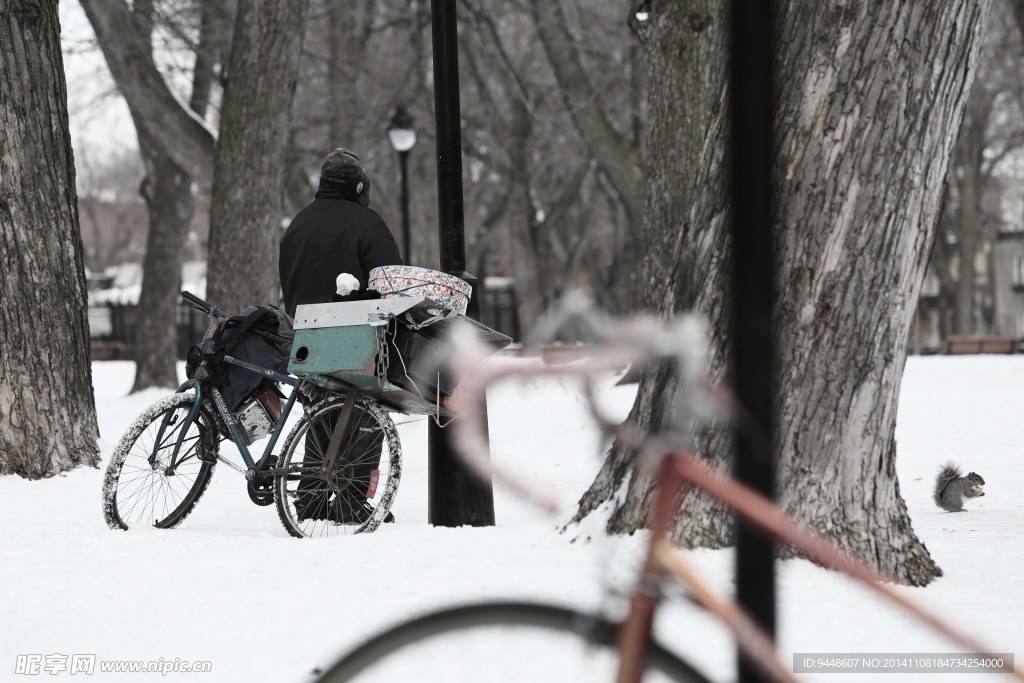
(335, 234)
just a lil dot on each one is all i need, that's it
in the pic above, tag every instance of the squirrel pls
(951, 488)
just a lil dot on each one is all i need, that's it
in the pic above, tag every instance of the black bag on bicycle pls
(258, 335)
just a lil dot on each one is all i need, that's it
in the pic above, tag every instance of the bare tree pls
(539, 204)
(535, 207)
(991, 131)
(360, 59)
(155, 107)
(168, 191)
(616, 158)
(554, 190)
(865, 127)
(243, 170)
(47, 412)
(246, 215)
(125, 36)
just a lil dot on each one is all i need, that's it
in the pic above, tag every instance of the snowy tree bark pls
(870, 96)
(246, 215)
(47, 412)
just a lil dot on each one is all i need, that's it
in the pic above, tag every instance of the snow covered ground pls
(231, 588)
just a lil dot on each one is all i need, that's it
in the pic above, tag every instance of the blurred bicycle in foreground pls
(535, 642)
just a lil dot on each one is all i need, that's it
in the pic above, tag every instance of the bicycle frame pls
(663, 560)
(255, 469)
(254, 466)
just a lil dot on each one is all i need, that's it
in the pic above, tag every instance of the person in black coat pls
(337, 233)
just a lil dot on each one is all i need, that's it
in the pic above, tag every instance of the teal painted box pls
(374, 346)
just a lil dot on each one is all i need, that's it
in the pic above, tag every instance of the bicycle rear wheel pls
(357, 495)
(499, 642)
(139, 488)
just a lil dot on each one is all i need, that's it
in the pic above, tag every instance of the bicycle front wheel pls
(356, 495)
(140, 487)
(500, 642)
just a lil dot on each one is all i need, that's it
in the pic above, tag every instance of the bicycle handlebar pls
(619, 344)
(200, 305)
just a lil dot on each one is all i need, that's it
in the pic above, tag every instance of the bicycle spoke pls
(368, 453)
(139, 488)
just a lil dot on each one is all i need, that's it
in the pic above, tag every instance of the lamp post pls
(750, 150)
(455, 496)
(402, 136)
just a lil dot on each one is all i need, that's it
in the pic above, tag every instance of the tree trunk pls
(684, 226)
(245, 220)
(940, 258)
(177, 149)
(167, 190)
(970, 180)
(870, 98)
(168, 194)
(350, 25)
(47, 412)
(967, 246)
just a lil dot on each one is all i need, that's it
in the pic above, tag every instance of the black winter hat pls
(343, 169)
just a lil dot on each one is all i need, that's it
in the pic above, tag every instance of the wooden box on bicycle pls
(391, 349)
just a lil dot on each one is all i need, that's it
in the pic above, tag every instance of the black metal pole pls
(403, 162)
(753, 285)
(456, 498)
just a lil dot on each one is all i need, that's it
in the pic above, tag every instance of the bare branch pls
(155, 109)
(616, 159)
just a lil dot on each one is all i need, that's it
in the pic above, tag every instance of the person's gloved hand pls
(346, 284)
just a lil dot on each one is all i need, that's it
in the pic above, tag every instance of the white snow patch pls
(223, 586)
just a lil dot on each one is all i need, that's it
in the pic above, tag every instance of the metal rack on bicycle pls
(391, 350)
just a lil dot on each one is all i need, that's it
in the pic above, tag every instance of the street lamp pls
(402, 136)
(455, 496)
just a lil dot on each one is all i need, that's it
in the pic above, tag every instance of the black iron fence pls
(112, 330)
(500, 307)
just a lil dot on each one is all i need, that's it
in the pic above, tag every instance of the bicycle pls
(623, 647)
(338, 471)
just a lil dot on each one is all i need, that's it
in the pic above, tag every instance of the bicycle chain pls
(383, 362)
